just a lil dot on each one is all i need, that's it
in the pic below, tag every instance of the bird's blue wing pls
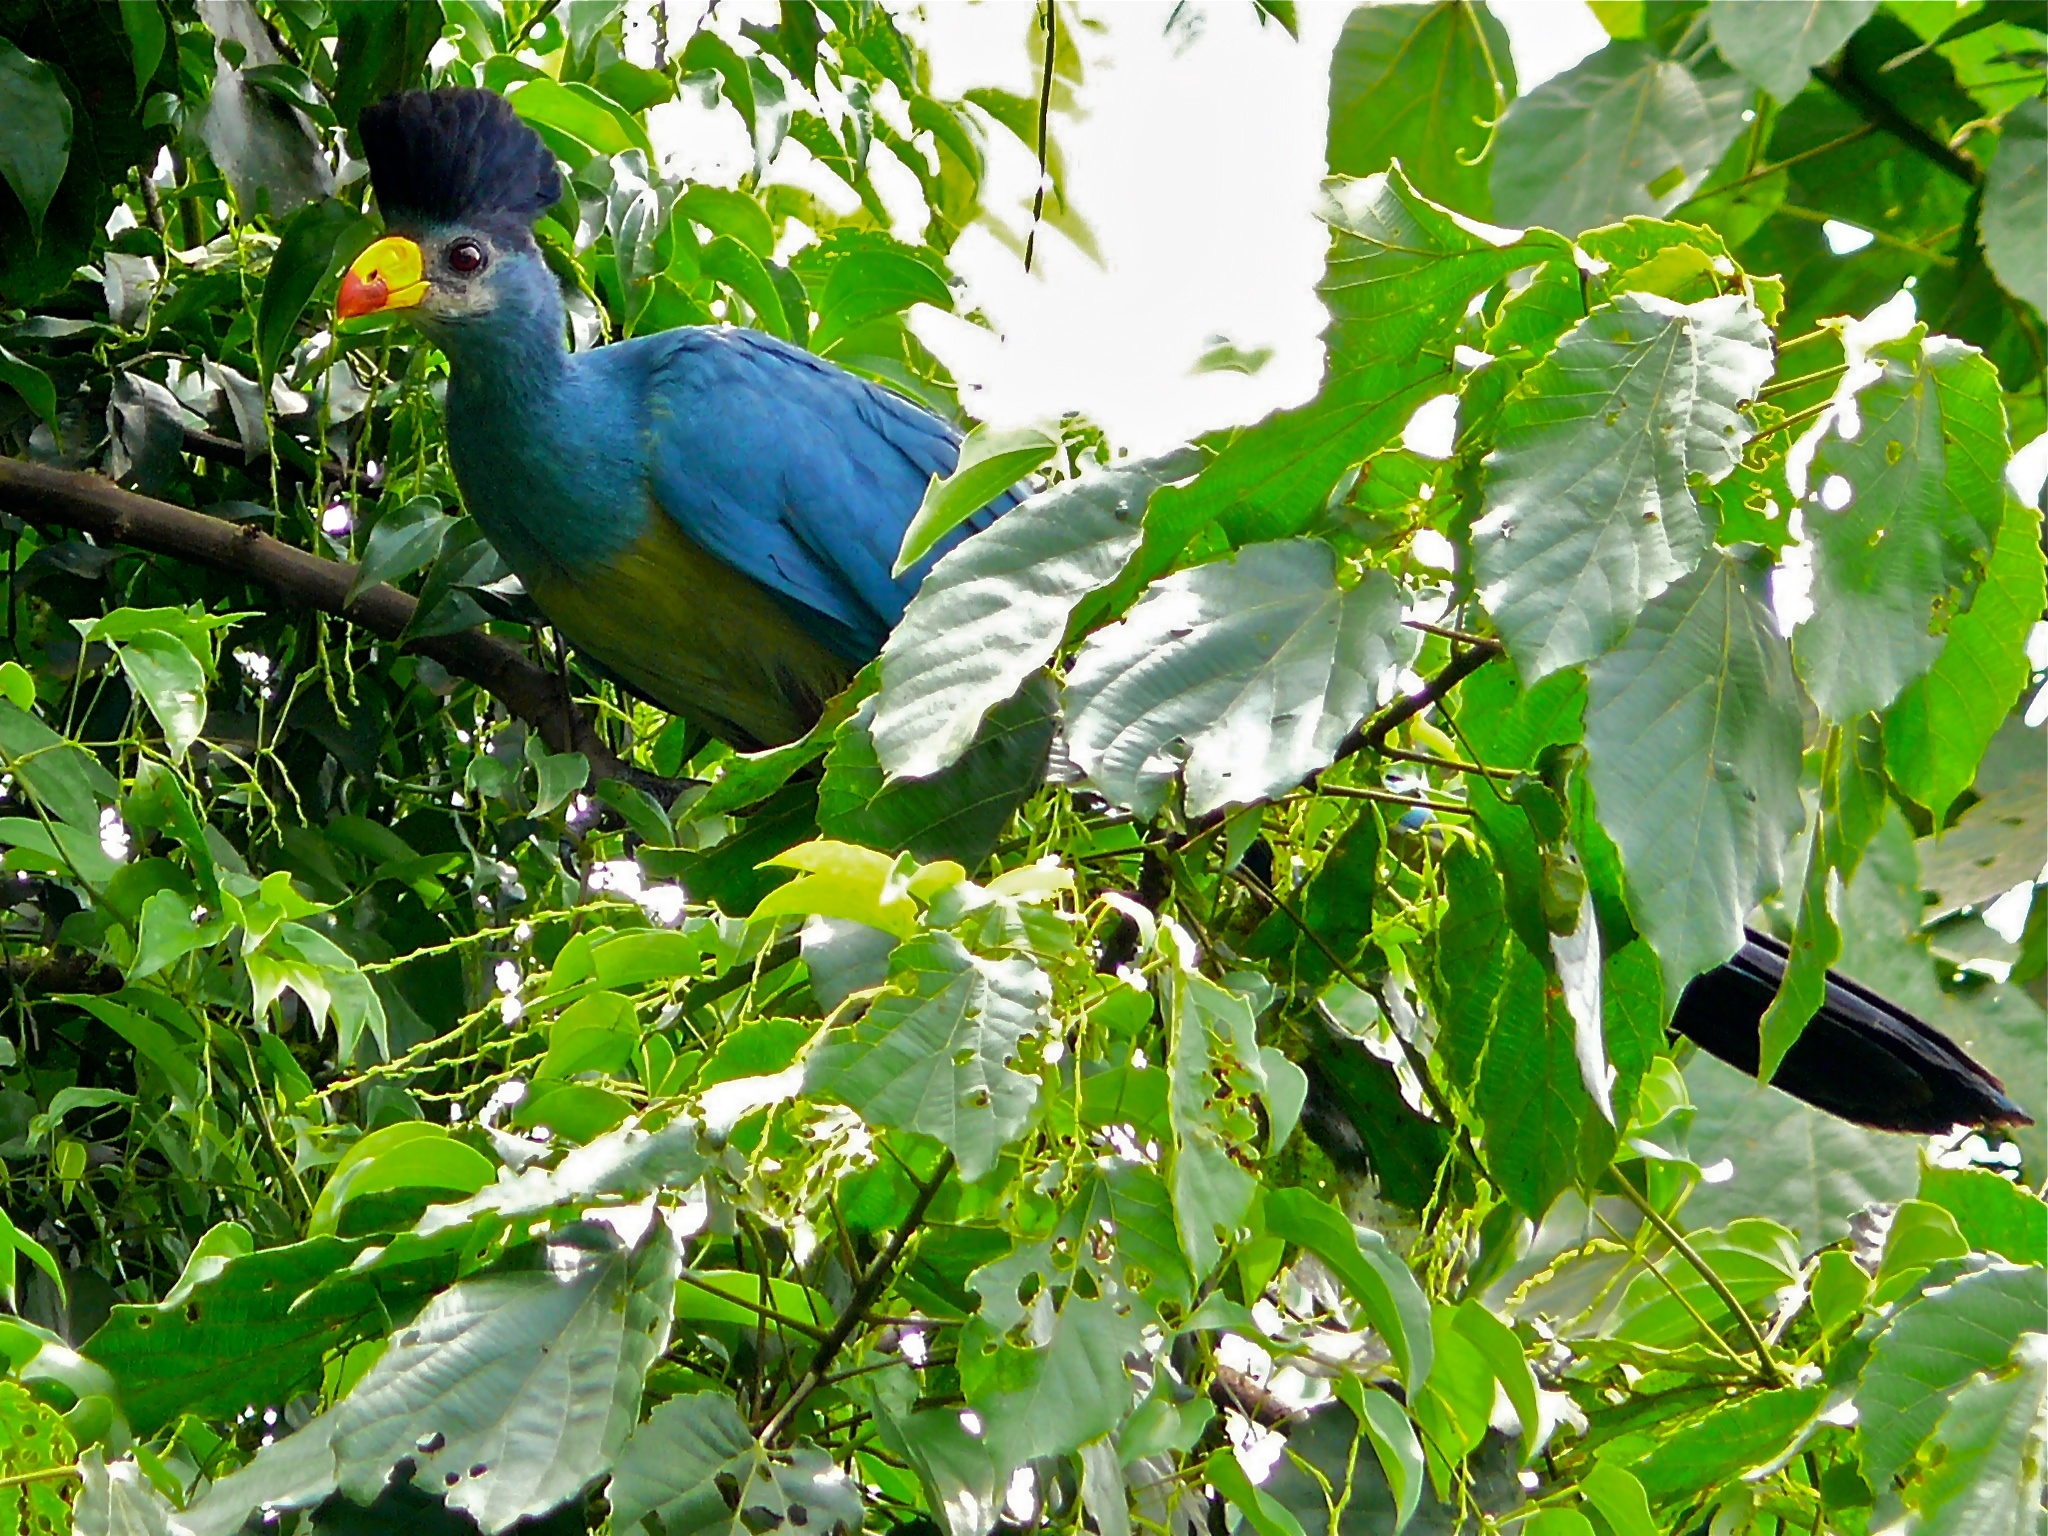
(797, 473)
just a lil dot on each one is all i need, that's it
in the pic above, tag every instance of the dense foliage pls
(406, 1097)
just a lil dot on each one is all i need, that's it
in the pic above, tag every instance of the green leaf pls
(150, 1039)
(934, 1053)
(597, 1033)
(1591, 506)
(1337, 901)
(695, 1467)
(34, 386)
(1272, 480)
(143, 21)
(172, 682)
(620, 1166)
(1931, 1349)
(991, 461)
(1214, 1070)
(1419, 84)
(1776, 43)
(725, 212)
(560, 774)
(1626, 131)
(1249, 672)
(1496, 1341)
(320, 238)
(1531, 1097)
(1693, 730)
(1384, 1287)
(1919, 451)
(957, 812)
(865, 285)
(116, 1499)
(2016, 205)
(35, 143)
(409, 1155)
(741, 270)
(1048, 1379)
(15, 1241)
(1402, 270)
(380, 49)
(582, 115)
(33, 1439)
(1712, 1448)
(1619, 1499)
(405, 539)
(1985, 1457)
(994, 610)
(237, 1338)
(1993, 1214)
(1393, 1441)
(1936, 733)
(1264, 1513)
(522, 1384)
(1852, 802)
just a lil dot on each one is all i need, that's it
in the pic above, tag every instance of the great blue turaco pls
(710, 515)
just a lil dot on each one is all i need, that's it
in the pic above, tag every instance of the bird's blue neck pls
(536, 459)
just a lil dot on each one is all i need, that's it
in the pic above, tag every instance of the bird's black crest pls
(457, 156)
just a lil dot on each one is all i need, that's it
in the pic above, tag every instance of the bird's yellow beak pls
(386, 276)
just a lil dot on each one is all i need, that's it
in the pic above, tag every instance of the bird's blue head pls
(460, 180)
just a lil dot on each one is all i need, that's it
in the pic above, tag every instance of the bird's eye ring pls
(466, 256)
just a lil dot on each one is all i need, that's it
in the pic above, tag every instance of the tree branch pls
(91, 504)
(1842, 78)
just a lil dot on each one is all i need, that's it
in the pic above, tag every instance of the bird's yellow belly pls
(696, 637)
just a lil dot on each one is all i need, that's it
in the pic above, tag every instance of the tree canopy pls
(1181, 1045)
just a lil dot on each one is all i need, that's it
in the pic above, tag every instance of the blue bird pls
(710, 515)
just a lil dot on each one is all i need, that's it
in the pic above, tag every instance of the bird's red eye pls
(466, 256)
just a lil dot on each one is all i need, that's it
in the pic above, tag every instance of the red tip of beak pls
(360, 298)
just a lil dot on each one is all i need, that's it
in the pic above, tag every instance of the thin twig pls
(1052, 22)
(1448, 764)
(1841, 77)
(781, 1319)
(1389, 797)
(872, 1284)
(1767, 1367)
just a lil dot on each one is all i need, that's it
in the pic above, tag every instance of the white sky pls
(1196, 165)
(1195, 162)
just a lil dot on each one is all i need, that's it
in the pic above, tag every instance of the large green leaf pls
(1693, 729)
(117, 1499)
(934, 1053)
(991, 461)
(1247, 672)
(519, 1385)
(1402, 270)
(1591, 506)
(1908, 467)
(318, 238)
(1713, 1449)
(1626, 131)
(35, 131)
(1936, 732)
(2016, 205)
(1777, 42)
(957, 812)
(235, 1337)
(1420, 84)
(1987, 1453)
(696, 1468)
(1931, 1349)
(381, 48)
(993, 611)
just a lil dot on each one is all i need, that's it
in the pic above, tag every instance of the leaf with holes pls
(512, 1390)
(933, 1054)
(695, 1468)
(1907, 466)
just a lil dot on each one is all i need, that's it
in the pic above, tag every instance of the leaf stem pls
(1449, 764)
(865, 1294)
(42, 1474)
(781, 1319)
(1389, 797)
(1786, 386)
(1767, 1367)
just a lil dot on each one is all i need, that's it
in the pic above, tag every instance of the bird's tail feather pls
(1861, 1057)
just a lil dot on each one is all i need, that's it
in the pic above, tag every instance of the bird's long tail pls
(1861, 1058)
